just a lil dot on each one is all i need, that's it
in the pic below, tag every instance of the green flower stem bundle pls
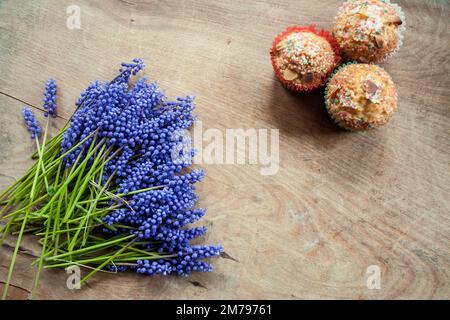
(64, 213)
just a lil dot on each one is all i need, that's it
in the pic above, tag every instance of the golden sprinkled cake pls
(369, 30)
(360, 97)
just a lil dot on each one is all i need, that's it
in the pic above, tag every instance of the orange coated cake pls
(303, 58)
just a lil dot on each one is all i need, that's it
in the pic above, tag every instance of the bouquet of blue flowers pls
(107, 193)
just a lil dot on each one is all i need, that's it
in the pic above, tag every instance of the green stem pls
(41, 259)
(19, 239)
(41, 151)
(92, 248)
(90, 274)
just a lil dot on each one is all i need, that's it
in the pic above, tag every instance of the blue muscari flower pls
(138, 123)
(50, 98)
(186, 261)
(115, 268)
(129, 69)
(31, 123)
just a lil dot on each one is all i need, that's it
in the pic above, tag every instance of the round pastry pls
(303, 58)
(360, 96)
(369, 30)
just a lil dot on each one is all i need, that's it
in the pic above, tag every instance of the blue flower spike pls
(32, 125)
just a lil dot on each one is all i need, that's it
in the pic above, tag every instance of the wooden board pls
(340, 201)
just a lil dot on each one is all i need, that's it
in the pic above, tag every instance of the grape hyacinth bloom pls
(31, 123)
(188, 260)
(50, 98)
(141, 128)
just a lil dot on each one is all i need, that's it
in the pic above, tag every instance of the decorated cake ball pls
(360, 96)
(369, 30)
(303, 57)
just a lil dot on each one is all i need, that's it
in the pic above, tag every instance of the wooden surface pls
(340, 201)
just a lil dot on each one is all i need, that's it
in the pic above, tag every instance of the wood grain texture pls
(340, 201)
